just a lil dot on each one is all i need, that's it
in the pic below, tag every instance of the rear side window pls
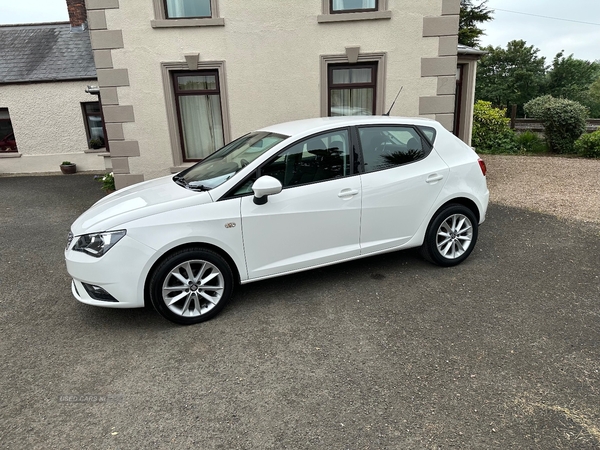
(429, 133)
(390, 146)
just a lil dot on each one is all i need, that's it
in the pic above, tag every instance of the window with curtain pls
(93, 124)
(340, 6)
(352, 89)
(7, 137)
(176, 9)
(200, 120)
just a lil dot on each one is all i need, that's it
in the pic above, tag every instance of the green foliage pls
(108, 182)
(66, 163)
(529, 142)
(535, 108)
(491, 130)
(572, 79)
(594, 98)
(588, 145)
(564, 121)
(470, 16)
(95, 143)
(594, 90)
(510, 76)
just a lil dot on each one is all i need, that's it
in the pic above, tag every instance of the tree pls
(470, 16)
(572, 79)
(595, 90)
(511, 76)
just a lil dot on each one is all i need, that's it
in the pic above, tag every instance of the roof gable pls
(44, 52)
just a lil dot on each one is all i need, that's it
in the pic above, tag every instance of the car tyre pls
(451, 236)
(191, 286)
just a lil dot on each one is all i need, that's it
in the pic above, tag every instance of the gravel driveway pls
(389, 352)
(565, 187)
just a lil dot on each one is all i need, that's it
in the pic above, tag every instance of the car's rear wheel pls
(451, 236)
(191, 286)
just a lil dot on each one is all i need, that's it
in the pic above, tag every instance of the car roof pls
(307, 126)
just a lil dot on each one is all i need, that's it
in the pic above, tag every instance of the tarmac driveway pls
(501, 352)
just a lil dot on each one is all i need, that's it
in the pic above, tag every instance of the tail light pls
(482, 166)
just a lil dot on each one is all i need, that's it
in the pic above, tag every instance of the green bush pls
(588, 145)
(530, 142)
(564, 121)
(491, 130)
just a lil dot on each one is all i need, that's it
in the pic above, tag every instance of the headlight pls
(97, 244)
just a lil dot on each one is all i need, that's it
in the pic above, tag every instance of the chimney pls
(77, 15)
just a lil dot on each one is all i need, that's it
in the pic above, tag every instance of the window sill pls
(347, 17)
(176, 23)
(10, 155)
(95, 150)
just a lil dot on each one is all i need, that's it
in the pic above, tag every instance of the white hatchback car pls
(286, 198)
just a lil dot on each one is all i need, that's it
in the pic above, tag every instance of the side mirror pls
(265, 186)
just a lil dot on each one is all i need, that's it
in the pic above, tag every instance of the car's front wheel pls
(451, 236)
(191, 286)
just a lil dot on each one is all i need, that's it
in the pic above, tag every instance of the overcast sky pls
(549, 35)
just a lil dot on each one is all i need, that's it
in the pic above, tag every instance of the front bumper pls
(121, 272)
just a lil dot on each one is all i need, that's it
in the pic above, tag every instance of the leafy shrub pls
(530, 142)
(491, 130)
(588, 145)
(564, 121)
(108, 181)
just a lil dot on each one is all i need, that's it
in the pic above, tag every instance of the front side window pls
(390, 146)
(223, 164)
(352, 89)
(8, 144)
(178, 9)
(198, 99)
(318, 158)
(93, 124)
(341, 6)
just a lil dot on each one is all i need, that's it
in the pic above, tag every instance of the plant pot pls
(68, 169)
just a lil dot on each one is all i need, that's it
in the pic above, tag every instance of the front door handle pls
(347, 193)
(434, 178)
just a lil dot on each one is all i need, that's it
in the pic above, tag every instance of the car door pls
(315, 219)
(401, 180)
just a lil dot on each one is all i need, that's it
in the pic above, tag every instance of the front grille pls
(69, 240)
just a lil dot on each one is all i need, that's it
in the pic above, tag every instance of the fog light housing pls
(97, 293)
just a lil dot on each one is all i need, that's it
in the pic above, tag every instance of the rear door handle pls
(347, 193)
(434, 178)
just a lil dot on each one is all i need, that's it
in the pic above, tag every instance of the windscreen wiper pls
(197, 187)
(181, 181)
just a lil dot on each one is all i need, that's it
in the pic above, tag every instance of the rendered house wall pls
(49, 127)
(270, 54)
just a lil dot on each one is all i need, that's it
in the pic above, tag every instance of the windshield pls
(224, 163)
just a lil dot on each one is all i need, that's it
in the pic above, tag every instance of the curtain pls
(341, 5)
(188, 8)
(202, 125)
(352, 102)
